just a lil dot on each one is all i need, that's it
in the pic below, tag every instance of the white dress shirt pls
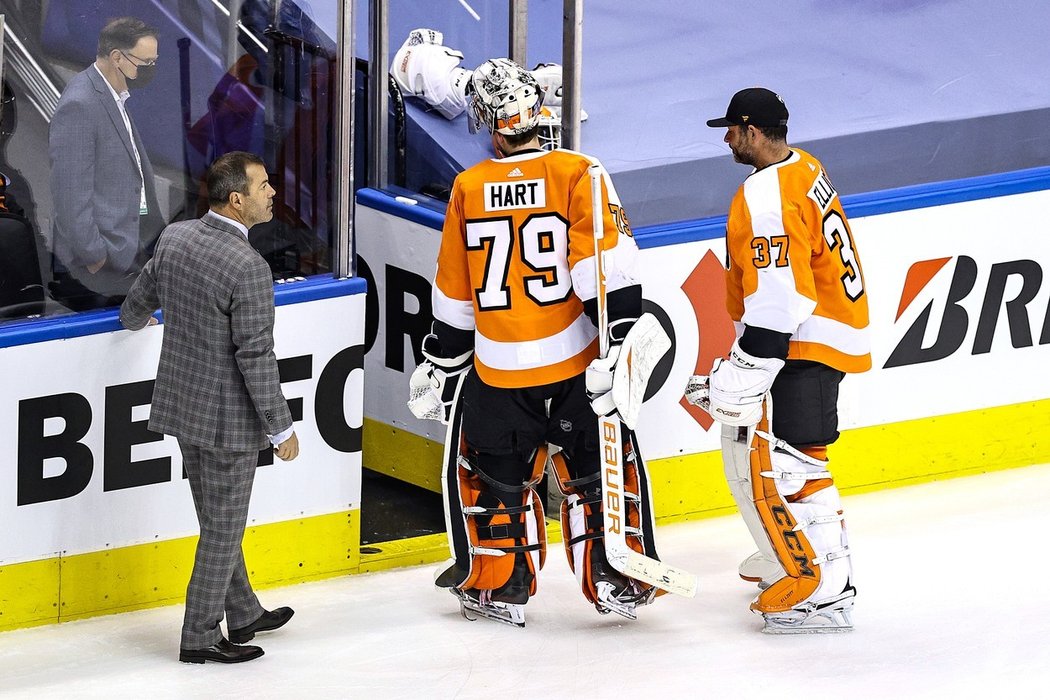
(120, 99)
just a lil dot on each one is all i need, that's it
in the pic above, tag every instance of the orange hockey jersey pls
(793, 265)
(517, 261)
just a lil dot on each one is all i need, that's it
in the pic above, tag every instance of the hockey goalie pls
(511, 364)
(795, 290)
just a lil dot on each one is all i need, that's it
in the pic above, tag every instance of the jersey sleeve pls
(452, 295)
(621, 253)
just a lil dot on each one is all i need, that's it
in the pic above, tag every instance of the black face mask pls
(145, 77)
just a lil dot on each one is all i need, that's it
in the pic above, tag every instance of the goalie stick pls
(610, 444)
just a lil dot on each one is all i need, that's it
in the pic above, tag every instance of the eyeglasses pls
(144, 63)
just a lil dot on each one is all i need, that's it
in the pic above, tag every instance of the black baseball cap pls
(756, 106)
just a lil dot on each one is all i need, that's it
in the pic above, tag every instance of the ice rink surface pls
(950, 605)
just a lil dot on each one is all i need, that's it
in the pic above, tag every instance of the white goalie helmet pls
(504, 97)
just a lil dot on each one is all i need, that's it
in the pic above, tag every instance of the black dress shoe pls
(223, 652)
(269, 620)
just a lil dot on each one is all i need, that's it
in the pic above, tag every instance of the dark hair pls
(229, 174)
(774, 133)
(519, 140)
(122, 34)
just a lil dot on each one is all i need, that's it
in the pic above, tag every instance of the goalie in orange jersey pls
(512, 357)
(796, 293)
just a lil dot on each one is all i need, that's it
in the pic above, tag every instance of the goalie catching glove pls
(423, 67)
(617, 382)
(733, 392)
(432, 386)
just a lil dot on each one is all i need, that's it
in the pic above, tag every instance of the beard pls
(743, 147)
(743, 154)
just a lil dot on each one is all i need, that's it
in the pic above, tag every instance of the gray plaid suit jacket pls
(217, 384)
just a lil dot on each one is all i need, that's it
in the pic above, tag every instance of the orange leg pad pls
(520, 531)
(799, 508)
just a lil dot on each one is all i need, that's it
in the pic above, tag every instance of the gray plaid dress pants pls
(221, 483)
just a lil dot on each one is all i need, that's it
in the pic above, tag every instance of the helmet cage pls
(549, 131)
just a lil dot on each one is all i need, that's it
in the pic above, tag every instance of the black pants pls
(517, 421)
(805, 403)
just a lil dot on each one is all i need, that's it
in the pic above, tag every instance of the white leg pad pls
(819, 516)
(735, 460)
(759, 568)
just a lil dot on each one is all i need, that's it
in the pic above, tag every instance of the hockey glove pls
(599, 381)
(424, 68)
(399, 67)
(698, 391)
(432, 387)
(618, 381)
(737, 386)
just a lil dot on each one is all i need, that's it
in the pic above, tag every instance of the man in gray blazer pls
(106, 215)
(218, 392)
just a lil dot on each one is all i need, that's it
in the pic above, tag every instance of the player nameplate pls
(524, 194)
(822, 191)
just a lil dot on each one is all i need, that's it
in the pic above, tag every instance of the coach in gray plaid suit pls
(218, 392)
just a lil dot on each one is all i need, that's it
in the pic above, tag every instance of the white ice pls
(950, 605)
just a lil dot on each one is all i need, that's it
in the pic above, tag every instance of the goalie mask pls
(550, 129)
(504, 97)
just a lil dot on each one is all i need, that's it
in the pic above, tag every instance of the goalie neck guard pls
(504, 97)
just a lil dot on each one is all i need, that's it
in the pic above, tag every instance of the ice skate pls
(505, 604)
(759, 568)
(831, 615)
(616, 593)
(474, 604)
(624, 603)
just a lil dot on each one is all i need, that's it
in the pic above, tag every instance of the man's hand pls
(151, 321)
(289, 449)
(738, 386)
(95, 267)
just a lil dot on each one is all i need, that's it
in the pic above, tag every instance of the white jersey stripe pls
(454, 312)
(829, 332)
(621, 265)
(776, 304)
(536, 353)
(834, 334)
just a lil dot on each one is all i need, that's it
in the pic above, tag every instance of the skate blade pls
(606, 603)
(506, 613)
(627, 611)
(511, 615)
(776, 629)
(812, 625)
